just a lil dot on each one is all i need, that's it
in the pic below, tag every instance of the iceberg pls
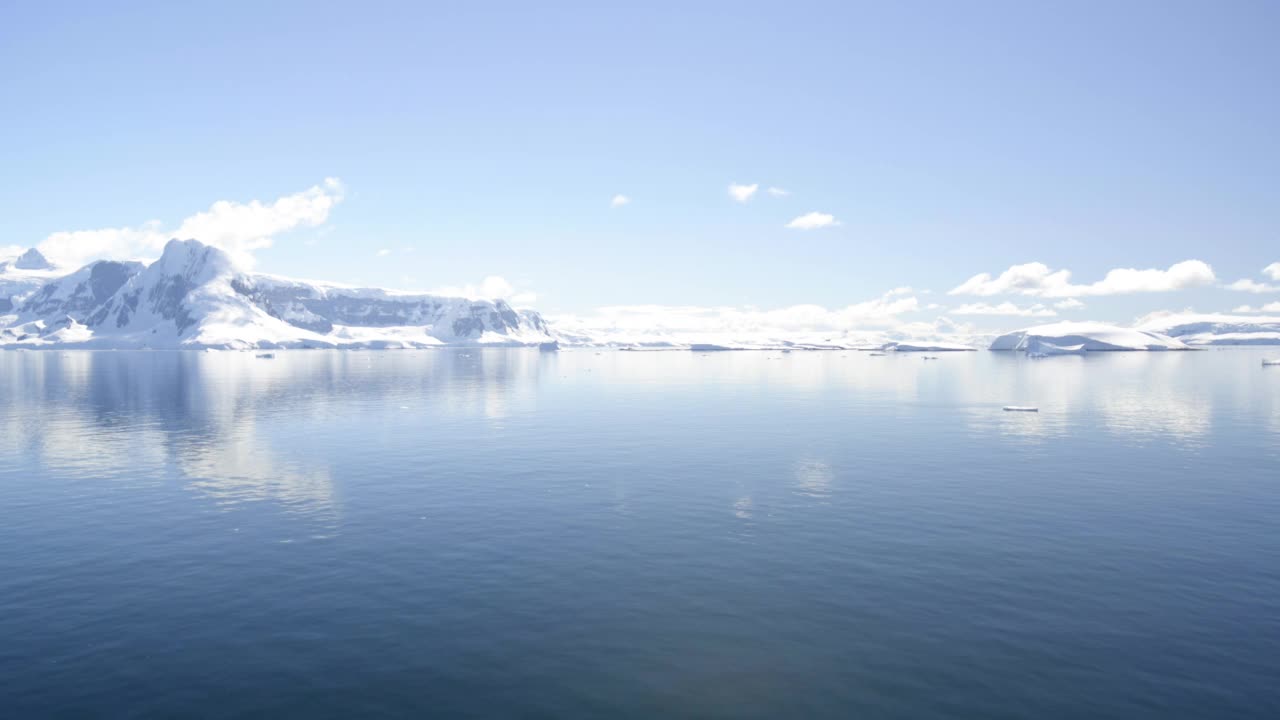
(926, 346)
(1081, 337)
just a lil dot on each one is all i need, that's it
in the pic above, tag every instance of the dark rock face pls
(104, 279)
(301, 306)
(108, 277)
(32, 260)
(165, 299)
(468, 327)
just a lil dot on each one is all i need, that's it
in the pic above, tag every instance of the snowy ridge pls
(1211, 329)
(21, 276)
(195, 297)
(1077, 337)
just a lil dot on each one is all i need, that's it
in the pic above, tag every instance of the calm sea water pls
(504, 533)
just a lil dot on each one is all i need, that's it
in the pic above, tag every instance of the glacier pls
(195, 297)
(1077, 337)
(1202, 329)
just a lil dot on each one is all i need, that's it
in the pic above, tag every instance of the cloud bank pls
(1005, 308)
(1038, 280)
(1268, 308)
(493, 287)
(880, 312)
(238, 228)
(1253, 286)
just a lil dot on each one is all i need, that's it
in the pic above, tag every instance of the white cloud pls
(1005, 308)
(1036, 279)
(883, 311)
(1247, 285)
(779, 192)
(10, 252)
(742, 193)
(238, 228)
(1069, 304)
(619, 200)
(1269, 307)
(813, 221)
(384, 252)
(493, 287)
(1272, 271)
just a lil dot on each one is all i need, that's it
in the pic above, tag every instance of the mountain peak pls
(193, 259)
(32, 259)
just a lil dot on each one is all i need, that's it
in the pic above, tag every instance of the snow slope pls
(1085, 336)
(194, 296)
(21, 276)
(1211, 329)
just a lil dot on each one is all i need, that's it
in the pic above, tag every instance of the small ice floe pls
(1266, 362)
(786, 350)
(930, 357)
(266, 356)
(1021, 408)
(877, 354)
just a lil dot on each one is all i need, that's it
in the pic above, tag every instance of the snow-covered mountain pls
(194, 296)
(21, 276)
(32, 259)
(1073, 337)
(1202, 329)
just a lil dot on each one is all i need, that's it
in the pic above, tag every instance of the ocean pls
(507, 533)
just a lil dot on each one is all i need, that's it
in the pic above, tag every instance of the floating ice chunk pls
(926, 346)
(877, 354)
(266, 356)
(1021, 408)
(1271, 362)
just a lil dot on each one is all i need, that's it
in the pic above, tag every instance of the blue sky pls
(473, 140)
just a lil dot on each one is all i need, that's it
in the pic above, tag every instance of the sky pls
(1008, 162)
